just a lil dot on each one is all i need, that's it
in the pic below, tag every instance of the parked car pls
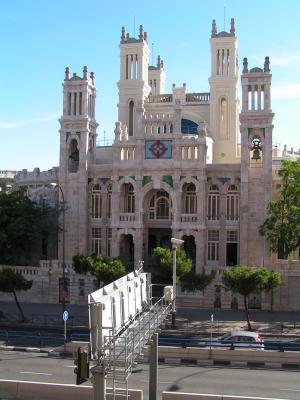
(241, 339)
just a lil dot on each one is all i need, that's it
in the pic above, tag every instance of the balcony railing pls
(127, 217)
(160, 98)
(197, 97)
(188, 218)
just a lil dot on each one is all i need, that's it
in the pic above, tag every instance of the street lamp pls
(175, 244)
(56, 185)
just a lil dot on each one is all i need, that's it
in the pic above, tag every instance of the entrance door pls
(231, 254)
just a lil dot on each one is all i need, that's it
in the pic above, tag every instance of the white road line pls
(70, 366)
(34, 373)
(145, 380)
(291, 390)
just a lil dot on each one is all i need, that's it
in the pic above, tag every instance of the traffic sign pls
(65, 315)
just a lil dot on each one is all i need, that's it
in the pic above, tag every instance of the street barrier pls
(24, 390)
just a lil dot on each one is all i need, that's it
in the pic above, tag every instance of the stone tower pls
(77, 152)
(224, 102)
(256, 162)
(133, 84)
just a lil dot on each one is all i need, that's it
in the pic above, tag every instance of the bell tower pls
(256, 161)
(77, 151)
(224, 102)
(133, 84)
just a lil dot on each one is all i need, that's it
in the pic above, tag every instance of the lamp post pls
(56, 185)
(175, 244)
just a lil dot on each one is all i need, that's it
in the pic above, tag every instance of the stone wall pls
(45, 287)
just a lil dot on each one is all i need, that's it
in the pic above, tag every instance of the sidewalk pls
(193, 321)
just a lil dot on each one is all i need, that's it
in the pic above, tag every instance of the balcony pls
(190, 218)
(127, 217)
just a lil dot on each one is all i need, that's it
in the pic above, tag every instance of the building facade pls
(196, 166)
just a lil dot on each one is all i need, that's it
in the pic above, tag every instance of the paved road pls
(245, 382)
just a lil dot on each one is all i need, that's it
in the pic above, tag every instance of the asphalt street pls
(281, 384)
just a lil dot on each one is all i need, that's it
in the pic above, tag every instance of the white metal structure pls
(123, 318)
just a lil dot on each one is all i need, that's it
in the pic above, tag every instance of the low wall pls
(200, 396)
(237, 357)
(22, 390)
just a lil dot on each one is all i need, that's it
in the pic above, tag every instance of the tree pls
(246, 280)
(192, 282)
(10, 282)
(104, 269)
(282, 226)
(162, 270)
(23, 224)
(162, 265)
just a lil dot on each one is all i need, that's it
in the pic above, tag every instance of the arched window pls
(160, 206)
(223, 118)
(73, 156)
(96, 202)
(213, 204)
(131, 118)
(232, 208)
(188, 126)
(129, 200)
(109, 190)
(190, 199)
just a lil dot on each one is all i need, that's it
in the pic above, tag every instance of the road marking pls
(145, 380)
(291, 390)
(69, 366)
(34, 373)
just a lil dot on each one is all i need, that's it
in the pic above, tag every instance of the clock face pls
(155, 149)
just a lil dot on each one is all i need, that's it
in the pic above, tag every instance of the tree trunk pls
(247, 313)
(19, 306)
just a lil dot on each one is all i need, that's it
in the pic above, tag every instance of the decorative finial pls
(141, 35)
(232, 27)
(92, 76)
(158, 62)
(245, 65)
(67, 73)
(213, 28)
(146, 36)
(85, 72)
(127, 36)
(123, 34)
(162, 64)
(267, 64)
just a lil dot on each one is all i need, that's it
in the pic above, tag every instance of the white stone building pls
(196, 166)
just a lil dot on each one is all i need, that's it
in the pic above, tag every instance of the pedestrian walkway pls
(191, 321)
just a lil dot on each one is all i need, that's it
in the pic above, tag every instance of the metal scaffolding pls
(117, 353)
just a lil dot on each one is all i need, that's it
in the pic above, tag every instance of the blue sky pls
(40, 38)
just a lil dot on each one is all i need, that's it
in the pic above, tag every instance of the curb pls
(25, 349)
(50, 353)
(223, 363)
(60, 354)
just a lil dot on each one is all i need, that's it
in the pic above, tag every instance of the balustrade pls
(197, 97)
(160, 98)
(188, 218)
(127, 217)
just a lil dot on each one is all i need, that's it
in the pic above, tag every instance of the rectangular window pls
(232, 236)
(96, 241)
(130, 203)
(108, 245)
(213, 245)
(190, 204)
(232, 207)
(80, 103)
(213, 207)
(96, 206)
(80, 287)
(109, 205)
